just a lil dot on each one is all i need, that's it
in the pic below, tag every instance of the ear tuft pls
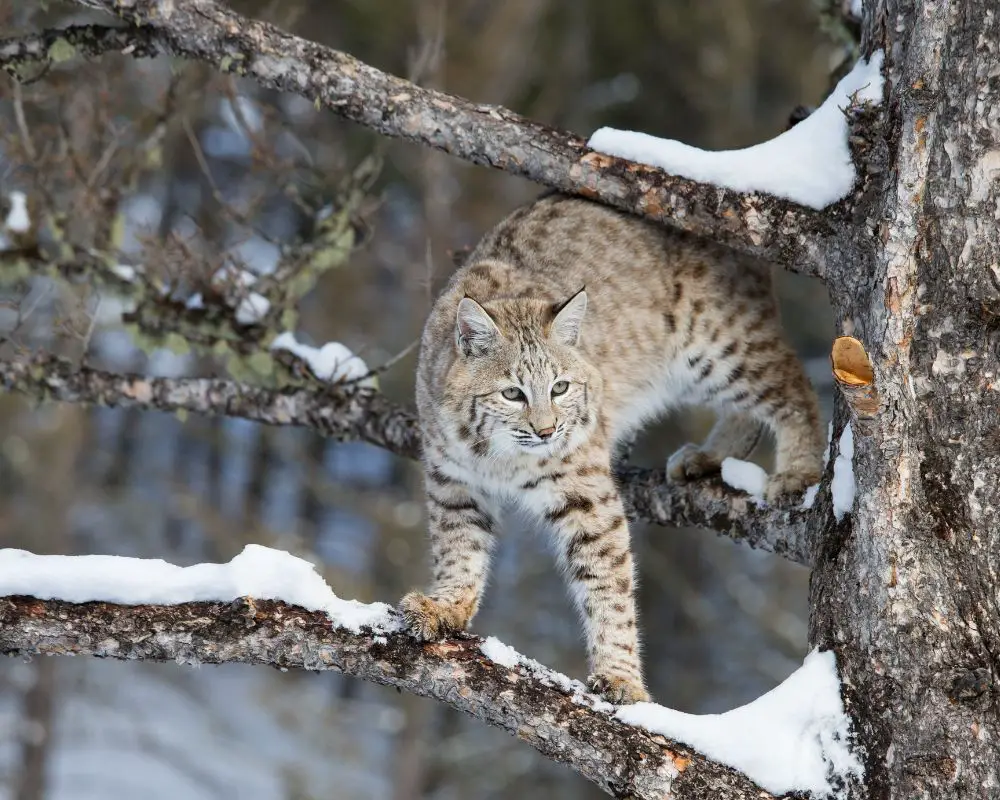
(565, 327)
(475, 331)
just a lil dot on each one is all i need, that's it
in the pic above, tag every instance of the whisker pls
(488, 438)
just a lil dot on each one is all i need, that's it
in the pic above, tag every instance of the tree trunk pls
(905, 589)
(36, 733)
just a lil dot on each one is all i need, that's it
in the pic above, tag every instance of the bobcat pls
(569, 326)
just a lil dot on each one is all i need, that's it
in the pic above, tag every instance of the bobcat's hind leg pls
(798, 452)
(734, 435)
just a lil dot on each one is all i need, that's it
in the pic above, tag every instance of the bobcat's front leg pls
(589, 519)
(461, 538)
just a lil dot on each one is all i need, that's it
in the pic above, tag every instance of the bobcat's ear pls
(565, 328)
(475, 331)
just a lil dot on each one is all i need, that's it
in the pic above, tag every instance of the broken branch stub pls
(852, 371)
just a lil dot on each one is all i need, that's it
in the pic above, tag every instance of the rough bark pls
(907, 592)
(347, 413)
(623, 760)
(489, 135)
(905, 588)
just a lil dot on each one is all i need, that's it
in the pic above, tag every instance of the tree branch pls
(788, 531)
(623, 760)
(351, 414)
(343, 414)
(784, 233)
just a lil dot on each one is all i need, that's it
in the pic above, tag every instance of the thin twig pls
(227, 208)
(106, 156)
(386, 366)
(22, 123)
(85, 345)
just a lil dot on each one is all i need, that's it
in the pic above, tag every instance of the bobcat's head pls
(520, 380)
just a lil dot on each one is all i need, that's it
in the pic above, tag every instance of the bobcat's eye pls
(559, 387)
(513, 393)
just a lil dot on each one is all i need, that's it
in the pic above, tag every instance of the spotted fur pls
(569, 326)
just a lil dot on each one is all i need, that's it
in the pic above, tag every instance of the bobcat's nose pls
(546, 433)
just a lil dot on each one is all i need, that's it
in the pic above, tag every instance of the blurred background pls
(151, 177)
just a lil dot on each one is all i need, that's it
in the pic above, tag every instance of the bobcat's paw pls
(618, 690)
(429, 620)
(691, 462)
(786, 483)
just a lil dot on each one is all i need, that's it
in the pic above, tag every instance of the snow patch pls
(124, 271)
(810, 496)
(507, 656)
(18, 220)
(794, 738)
(252, 306)
(252, 309)
(809, 164)
(744, 476)
(332, 362)
(230, 274)
(501, 653)
(829, 444)
(258, 572)
(843, 485)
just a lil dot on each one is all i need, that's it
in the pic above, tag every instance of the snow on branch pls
(355, 412)
(332, 362)
(204, 30)
(808, 164)
(271, 608)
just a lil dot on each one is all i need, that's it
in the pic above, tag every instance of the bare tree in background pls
(904, 589)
